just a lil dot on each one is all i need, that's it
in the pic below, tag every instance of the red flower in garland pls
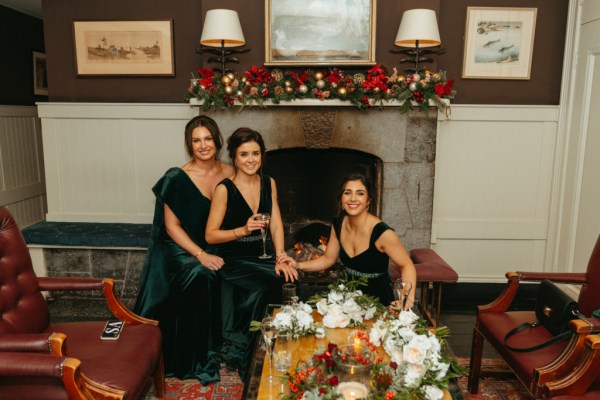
(206, 76)
(258, 76)
(444, 89)
(335, 76)
(376, 79)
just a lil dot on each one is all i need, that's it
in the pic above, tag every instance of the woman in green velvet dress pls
(249, 283)
(180, 287)
(364, 244)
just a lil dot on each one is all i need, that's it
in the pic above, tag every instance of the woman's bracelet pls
(198, 253)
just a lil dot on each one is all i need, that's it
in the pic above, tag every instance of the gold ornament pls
(342, 91)
(401, 78)
(413, 86)
(235, 83)
(244, 79)
(358, 79)
(240, 94)
(277, 74)
(226, 80)
(231, 75)
(318, 76)
(416, 78)
(320, 84)
(289, 89)
(228, 89)
(287, 83)
(436, 77)
(303, 89)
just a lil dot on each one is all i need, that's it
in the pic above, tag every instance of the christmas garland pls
(363, 90)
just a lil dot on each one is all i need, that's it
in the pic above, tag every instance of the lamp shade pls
(222, 25)
(418, 24)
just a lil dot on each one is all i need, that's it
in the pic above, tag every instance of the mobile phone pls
(112, 330)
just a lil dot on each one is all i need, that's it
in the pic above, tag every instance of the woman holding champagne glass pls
(242, 207)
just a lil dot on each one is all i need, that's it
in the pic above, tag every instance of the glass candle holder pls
(353, 363)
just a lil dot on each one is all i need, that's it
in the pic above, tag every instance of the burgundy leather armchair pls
(39, 360)
(563, 370)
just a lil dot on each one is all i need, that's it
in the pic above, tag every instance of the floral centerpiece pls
(294, 320)
(367, 89)
(345, 305)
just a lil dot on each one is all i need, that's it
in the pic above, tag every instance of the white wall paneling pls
(494, 176)
(22, 185)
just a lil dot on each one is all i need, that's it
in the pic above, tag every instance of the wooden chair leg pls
(475, 363)
(159, 378)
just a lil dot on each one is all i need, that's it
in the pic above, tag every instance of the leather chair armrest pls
(577, 382)
(53, 343)
(47, 365)
(106, 285)
(558, 277)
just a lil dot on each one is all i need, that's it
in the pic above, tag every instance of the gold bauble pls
(226, 80)
(318, 76)
(401, 78)
(376, 90)
(239, 94)
(287, 83)
(303, 88)
(244, 79)
(228, 89)
(416, 78)
(413, 86)
(320, 84)
(436, 77)
(289, 89)
(342, 91)
(231, 75)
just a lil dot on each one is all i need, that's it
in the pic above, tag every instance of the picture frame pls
(499, 42)
(40, 78)
(320, 32)
(124, 47)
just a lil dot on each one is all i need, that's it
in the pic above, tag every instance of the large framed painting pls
(124, 47)
(499, 42)
(320, 32)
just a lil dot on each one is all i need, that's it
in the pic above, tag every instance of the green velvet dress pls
(248, 284)
(371, 263)
(177, 290)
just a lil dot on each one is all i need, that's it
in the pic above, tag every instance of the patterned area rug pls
(504, 385)
(230, 387)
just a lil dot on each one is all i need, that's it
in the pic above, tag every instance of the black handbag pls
(553, 310)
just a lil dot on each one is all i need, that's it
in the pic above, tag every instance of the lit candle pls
(353, 390)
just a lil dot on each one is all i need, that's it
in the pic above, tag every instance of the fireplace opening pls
(308, 183)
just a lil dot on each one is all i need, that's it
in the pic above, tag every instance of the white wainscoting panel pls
(103, 159)
(493, 181)
(22, 185)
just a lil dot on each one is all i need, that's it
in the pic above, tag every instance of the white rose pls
(304, 320)
(334, 297)
(370, 313)
(442, 369)
(434, 344)
(432, 393)
(407, 318)
(336, 318)
(282, 320)
(414, 374)
(306, 308)
(376, 333)
(415, 351)
(395, 354)
(320, 332)
(322, 306)
(406, 334)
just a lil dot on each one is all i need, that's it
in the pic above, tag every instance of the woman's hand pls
(408, 305)
(212, 262)
(284, 258)
(254, 224)
(289, 272)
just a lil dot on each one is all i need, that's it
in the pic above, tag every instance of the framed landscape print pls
(124, 47)
(40, 79)
(320, 32)
(499, 42)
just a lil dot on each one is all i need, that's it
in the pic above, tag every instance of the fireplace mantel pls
(319, 103)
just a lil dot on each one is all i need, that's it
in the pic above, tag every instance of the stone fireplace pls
(397, 150)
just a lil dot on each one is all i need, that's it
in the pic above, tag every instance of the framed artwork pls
(124, 47)
(499, 42)
(40, 79)
(320, 32)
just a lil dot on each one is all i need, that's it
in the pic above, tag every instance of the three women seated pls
(205, 277)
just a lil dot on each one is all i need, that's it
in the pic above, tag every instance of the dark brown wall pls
(188, 15)
(20, 35)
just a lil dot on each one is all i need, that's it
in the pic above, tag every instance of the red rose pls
(334, 380)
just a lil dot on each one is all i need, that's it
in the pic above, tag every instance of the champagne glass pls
(264, 217)
(401, 291)
(269, 333)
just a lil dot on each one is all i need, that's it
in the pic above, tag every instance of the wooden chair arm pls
(505, 299)
(558, 277)
(15, 364)
(106, 285)
(582, 376)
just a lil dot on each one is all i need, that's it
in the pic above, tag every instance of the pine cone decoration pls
(358, 79)
(277, 74)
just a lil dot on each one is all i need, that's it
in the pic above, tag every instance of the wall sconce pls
(418, 28)
(222, 30)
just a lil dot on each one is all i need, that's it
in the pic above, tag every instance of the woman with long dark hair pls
(364, 244)
(243, 206)
(179, 285)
